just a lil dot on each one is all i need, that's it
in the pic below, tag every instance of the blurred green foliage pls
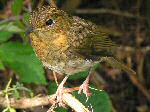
(19, 56)
(98, 102)
(17, 7)
(1, 66)
(4, 36)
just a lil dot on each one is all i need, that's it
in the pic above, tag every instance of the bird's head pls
(49, 27)
(48, 21)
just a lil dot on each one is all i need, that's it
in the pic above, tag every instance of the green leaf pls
(78, 76)
(19, 87)
(5, 110)
(17, 7)
(12, 110)
(4, 36)
(16, 94)
(60, 109)
(52, 87)
(98, 102)
(10, 27)
(22, 59)
(26, 17)
(19, 24)
(9, 109)
(83, 74)
(1, 66)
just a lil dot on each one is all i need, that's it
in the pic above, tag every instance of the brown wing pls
(96, 45)
(89, 39)
(97, 42)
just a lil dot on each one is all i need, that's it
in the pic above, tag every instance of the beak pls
(29, 30)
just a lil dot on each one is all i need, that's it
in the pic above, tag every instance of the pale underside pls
(71, 67)
(61, 61)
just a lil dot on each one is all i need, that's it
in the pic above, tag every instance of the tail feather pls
(117, 64)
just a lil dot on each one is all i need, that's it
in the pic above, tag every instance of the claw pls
(60, 91)
(85, 88)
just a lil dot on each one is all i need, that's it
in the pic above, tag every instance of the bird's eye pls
(49, 22)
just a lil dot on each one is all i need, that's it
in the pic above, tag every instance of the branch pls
(13, 18)
(74, 103)
(133, 49)
(24, 103)
(107, 11)
(53, 3)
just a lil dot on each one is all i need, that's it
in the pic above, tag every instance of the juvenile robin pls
(68, 44)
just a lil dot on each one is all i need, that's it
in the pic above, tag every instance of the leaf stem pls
(6, 91)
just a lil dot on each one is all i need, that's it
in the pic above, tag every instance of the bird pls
(69, 44)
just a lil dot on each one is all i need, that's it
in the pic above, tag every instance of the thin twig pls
(41, 2)
(137, 82)
(53, 3)
(6, 93)
(25, 103)
(55, 77)
(140, 86)
(13, 18)
(133, 49)
(107, 11)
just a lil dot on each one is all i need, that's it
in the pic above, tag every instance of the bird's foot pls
(85, 88)
(58, 97)
(59, 93)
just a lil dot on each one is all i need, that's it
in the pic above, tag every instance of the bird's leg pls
(60, 91)
(55, 77)
(85, 86)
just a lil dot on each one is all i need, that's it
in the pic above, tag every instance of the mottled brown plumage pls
(68, 45)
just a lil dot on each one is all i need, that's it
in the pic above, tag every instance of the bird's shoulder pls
(89, 39)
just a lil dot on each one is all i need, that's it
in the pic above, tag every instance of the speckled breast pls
(40, 48)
